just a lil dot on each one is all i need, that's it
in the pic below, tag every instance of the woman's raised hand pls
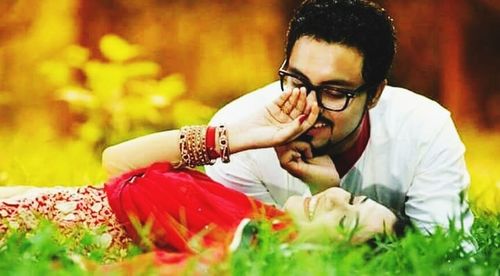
(279, 122)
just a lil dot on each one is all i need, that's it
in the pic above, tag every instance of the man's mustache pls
(323, 150)
(308, 138)
(324, 120)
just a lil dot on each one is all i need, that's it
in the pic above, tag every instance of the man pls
(397, 147)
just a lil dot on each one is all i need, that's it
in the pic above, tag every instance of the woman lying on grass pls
(174, 208)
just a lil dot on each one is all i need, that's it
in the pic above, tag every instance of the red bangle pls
(210, 143)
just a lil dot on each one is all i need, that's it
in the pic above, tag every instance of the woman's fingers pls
(275, 109)
(302, 99)
(295, 108)
(280, 101)
(299, 107)
(286, 154)
(312, 109)
(292, 156)
(304, 148)
(291, 103)
(301, 123)
(295, 104)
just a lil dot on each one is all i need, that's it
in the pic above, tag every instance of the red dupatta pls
(179, 205)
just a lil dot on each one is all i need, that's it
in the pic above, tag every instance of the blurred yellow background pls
(78, 75)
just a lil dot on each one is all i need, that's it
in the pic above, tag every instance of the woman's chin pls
(292, 208)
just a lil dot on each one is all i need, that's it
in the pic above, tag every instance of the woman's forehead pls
(335, 191)
(376, 209)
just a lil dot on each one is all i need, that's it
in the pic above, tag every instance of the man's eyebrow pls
(335, 82)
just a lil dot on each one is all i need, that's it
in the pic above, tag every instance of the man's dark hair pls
(354, 23)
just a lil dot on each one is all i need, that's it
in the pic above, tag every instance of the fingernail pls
(302, 118)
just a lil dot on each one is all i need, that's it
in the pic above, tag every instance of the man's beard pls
(316, 151)
(330, 145)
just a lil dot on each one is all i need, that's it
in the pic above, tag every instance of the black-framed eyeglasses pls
(328, 97)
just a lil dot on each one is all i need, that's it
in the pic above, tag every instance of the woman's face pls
(334, 211)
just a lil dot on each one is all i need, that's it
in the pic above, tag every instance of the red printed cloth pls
(180, 206)
(344, 161)
(181, 211)
(67, 207)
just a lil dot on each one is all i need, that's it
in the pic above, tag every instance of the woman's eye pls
(351, 199)
(342, 221)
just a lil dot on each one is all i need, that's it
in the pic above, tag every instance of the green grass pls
(43, 160)
(46, 250)
(440, 254)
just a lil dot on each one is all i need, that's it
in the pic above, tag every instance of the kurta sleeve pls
(437, 194)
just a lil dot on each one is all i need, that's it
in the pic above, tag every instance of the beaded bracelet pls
(223, 144)
(197, 145)
(192, 146)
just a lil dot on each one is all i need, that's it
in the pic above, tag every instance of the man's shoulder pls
(401, 110)
(246, 103)
(405, 104)
(399, 99)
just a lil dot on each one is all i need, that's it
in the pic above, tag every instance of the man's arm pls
(241, 174)
(438, 191)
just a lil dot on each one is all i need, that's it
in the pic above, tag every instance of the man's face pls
(332, 64)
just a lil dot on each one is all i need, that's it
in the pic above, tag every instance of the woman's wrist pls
(236, 138)
(202, 145)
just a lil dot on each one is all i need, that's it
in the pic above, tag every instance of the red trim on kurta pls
(346, 160)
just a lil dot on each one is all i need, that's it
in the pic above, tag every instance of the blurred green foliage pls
(120, 97)
(46, 250)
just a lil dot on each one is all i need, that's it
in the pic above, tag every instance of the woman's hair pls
(402, 223)
(354, 23)
(399, 228)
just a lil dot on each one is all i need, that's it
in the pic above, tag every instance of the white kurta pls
(414, 160)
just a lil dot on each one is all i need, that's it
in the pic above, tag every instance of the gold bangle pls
(192, 147)
(223, 144)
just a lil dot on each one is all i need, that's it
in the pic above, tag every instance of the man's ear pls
(372, 102)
